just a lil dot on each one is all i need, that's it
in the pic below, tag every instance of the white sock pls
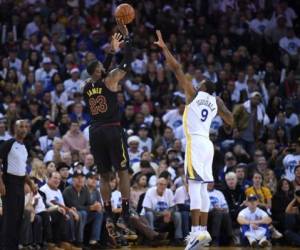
(203, 228)
(195, 228)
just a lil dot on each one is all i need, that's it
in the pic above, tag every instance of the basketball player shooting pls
(107, 138)
(201, 108)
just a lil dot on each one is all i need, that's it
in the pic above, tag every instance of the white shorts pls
(199, 156)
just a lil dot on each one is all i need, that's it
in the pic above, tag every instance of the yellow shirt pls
(263, 193)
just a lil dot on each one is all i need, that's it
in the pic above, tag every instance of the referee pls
(13, 156)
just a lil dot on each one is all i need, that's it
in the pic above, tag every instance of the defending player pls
(107, 138)
(201, 108)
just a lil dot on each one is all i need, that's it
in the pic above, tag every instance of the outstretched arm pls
(176, 68)
(223, 111)
(117, 74)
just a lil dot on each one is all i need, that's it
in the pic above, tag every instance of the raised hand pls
(160, 42)
(116, 41)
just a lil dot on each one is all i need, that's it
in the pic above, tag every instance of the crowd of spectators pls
(250, 49)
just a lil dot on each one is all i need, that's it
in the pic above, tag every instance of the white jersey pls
(198, 115)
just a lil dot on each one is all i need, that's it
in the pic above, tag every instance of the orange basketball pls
(124, 13)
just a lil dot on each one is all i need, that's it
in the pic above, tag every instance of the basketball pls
(124, 13)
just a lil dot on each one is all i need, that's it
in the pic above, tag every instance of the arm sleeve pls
(147, 201)
(107, 61)
(127, 58)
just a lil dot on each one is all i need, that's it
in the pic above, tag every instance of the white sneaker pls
(276, 234)
(197, 239)
(263, 242)
(252, 242)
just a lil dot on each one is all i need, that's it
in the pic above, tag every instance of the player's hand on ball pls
(160, 42)
(116, 41)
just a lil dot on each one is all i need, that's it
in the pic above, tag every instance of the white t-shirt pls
(217, 199)
(146, 145)
(134, 157)
(258, 214)
(40, 206)
(72, 86)
(46, 143)
(289, 163)
(292, 121)
(259, 26)
(181, 196)
(5, 137)
(158, 203)
(116, 199)
(290, 45)
(173, 119)
(52, 195)
(49, 155)
(179, 132)
(86, 133)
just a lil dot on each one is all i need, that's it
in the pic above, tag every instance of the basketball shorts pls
(199, 158)
(109, 148)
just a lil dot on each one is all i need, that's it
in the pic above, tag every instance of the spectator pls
(133, 150)
(173, 118)
(45, 73)
(290, 161)
(73, 84)
(254, 223)
(283, 196)
(38, 172)
(250, 117)
(218, 216)
(55, 154)
(63, 170)
(77, 196)
(145, 141)
(270, 180)
(182, 201)
(138, 188)
(292, 220)
(46, 141)
(61, 217)
(230, 162)
(89, 164)
(160, 209)
(296, 181)
(74, 140)
(4, 134)
(241, 176)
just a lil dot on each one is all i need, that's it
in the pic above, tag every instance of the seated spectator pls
(63, 170)
(38, 172)
(182, 201)
(292, 223)
(296, 181)
(270, 180)
(254, 223)
(234, 195)
(89, 164)
(218, 217)
(55, 154)
(50, 168)
(74, 140)
(262, 193)
(160, 209)
(240, 172)
(139, 187)
(280, 200)
(77, 196)
(61, 216)
(146, 142)
(95, 195)
(133, 151)
(46, 141)
(145, 156)
(230, 162)
(79, 115)
(290, 160)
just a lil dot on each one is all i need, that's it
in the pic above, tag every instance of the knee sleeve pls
(194, 192)
(205, 201)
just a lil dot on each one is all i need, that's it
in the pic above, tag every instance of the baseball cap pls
(61, 165)
(51, 126)
(143, 126)
(91, 174)
(47, 60)
(255, 93)
(252, 197)
(74, 70)
(78, 173)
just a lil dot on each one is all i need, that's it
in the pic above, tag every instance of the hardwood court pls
(206, 248)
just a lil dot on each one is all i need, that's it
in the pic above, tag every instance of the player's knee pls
(194, 191)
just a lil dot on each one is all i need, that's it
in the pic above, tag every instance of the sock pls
(108, 209)
(203, 228)
(195, 228)
(125, 208)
